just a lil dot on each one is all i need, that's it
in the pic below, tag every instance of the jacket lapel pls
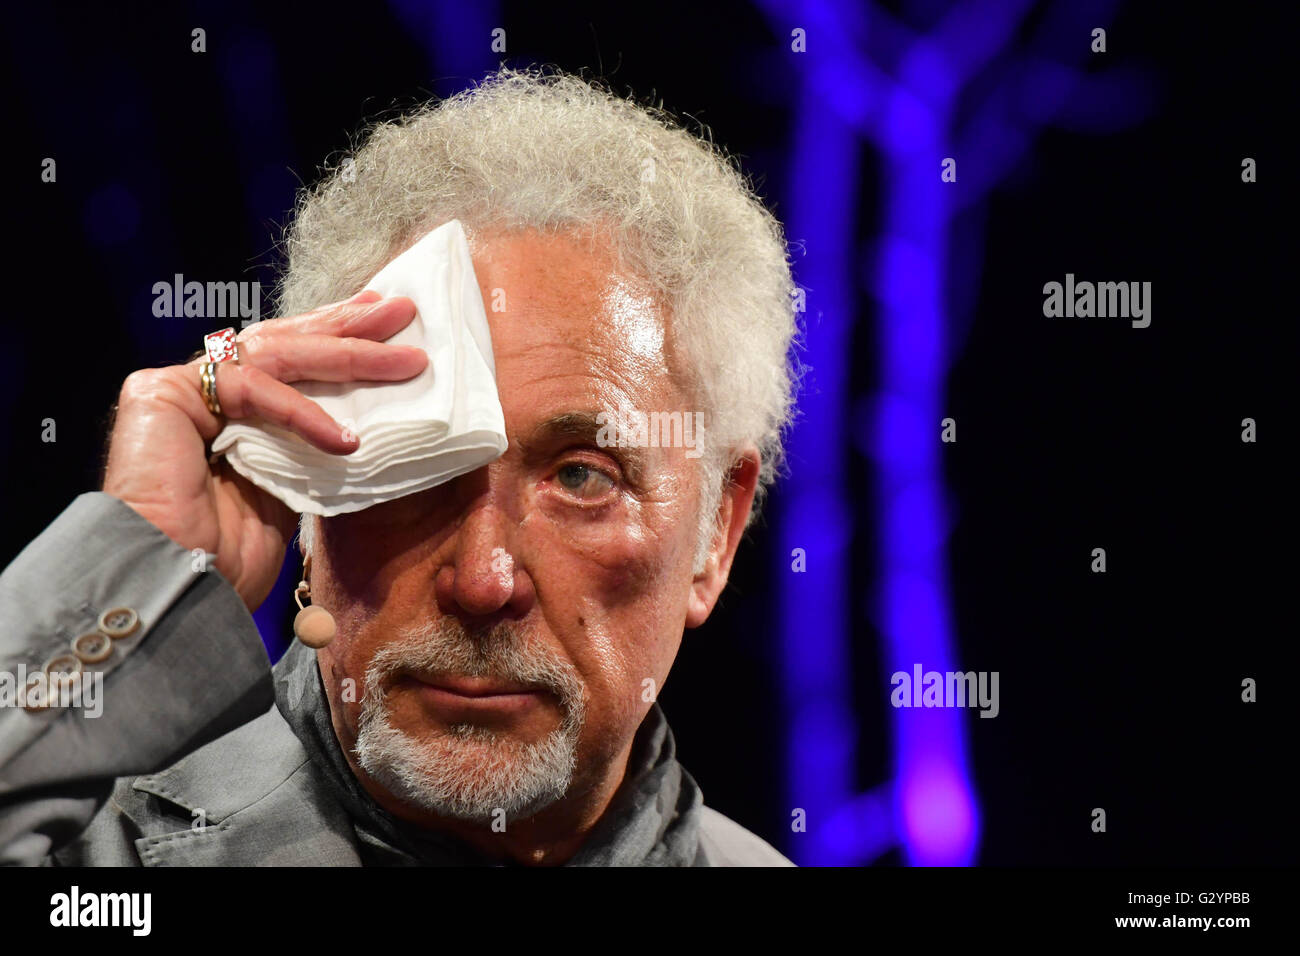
(256, 800)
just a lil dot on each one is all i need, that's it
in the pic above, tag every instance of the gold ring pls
(208, 386)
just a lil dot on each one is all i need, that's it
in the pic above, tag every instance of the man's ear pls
(733, 515)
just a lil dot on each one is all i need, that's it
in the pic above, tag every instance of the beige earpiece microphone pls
(314, 625)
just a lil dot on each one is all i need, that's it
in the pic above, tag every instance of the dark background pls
(1118, 690)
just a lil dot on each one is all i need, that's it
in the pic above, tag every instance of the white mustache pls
(445, 647)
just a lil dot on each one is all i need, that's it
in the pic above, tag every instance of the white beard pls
(470, 772)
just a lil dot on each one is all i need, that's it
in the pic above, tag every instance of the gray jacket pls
(251, 772)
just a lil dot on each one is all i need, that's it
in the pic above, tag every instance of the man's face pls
(517, 622)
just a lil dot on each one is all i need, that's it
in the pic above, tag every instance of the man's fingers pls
(324, 358)
(342, 342)
(366, 318)
(248, 392)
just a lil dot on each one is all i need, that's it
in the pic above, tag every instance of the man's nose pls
(480, 576)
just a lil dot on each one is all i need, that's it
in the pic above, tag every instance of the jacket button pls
(68, 665)
(93, 647)
(35, 699)
(119, 622)
(61, 670)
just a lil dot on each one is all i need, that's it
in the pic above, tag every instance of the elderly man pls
(489, 696)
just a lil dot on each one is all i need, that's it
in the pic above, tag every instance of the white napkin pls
(414, 434)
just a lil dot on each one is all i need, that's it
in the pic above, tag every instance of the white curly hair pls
(542, 149)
